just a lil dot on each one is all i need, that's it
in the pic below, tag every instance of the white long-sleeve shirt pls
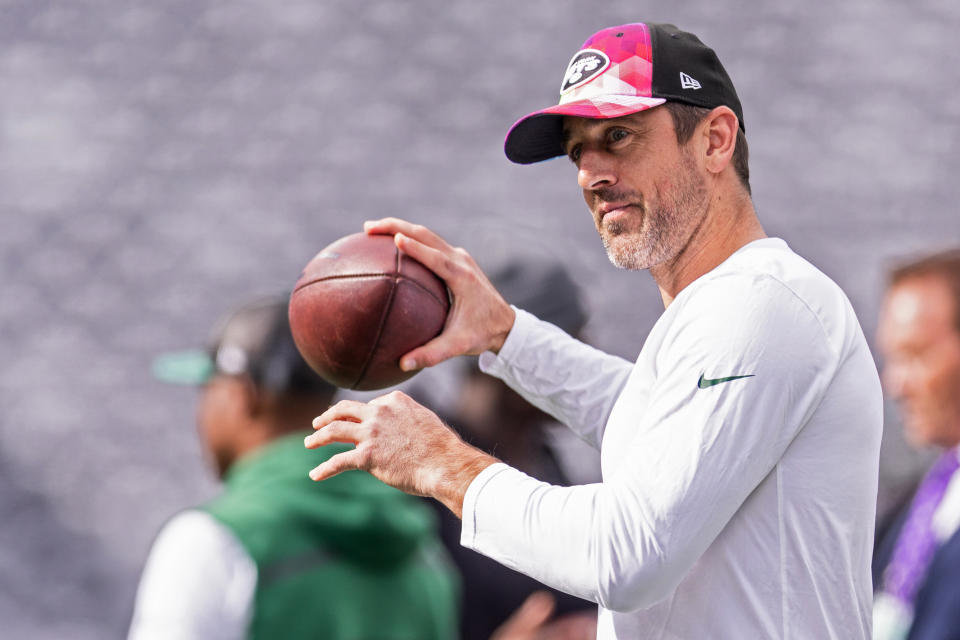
(199, 582)
(739, 508)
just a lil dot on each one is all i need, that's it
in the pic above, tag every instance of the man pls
(739, 452)
(277, 556)
(918, 561)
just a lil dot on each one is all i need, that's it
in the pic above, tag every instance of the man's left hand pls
(403, 444)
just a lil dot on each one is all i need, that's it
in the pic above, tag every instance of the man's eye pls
(616, 135)
(574, 154)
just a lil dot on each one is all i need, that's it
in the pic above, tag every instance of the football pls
(359, 305)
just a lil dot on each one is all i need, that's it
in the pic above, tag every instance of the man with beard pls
(739, 452)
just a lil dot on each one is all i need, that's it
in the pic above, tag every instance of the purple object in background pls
(917, 543)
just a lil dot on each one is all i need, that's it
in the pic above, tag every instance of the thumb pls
(434, 352)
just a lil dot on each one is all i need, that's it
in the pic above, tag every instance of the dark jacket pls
(937, 607)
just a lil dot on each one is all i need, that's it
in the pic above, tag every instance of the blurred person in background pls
(917, 562)
(534, 621)
(493, 417)
(361, 558)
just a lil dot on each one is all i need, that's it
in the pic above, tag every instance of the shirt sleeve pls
(571, 381)
(693, 457)
(198, 582)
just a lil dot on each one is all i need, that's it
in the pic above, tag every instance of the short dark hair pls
(686, 117)
(259, 332)
(943, 264)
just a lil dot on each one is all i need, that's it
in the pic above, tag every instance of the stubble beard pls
(665, 224)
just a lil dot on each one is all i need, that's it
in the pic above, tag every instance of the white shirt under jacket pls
(741, 510)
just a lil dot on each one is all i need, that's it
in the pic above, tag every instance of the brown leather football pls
(360, 305)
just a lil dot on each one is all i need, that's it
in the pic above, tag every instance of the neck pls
(729, 224)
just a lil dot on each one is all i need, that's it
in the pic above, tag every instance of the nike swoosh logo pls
(703, 383)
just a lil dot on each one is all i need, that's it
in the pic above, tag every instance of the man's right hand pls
(479, 318)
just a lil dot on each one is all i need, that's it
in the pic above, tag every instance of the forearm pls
(609, 544)
(627, 542)
(572, 381)
(585, 540)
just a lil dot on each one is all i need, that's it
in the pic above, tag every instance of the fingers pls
(536, 609)
(429, 354)
(349, 410)
(434, 259)
(576, 626)
(526, 621)
(387, 226)
(340, 423)
(339, 463)
(338, 431)
(393, 226)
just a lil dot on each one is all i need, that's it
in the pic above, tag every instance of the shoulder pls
(194, 548)
(767, 288)
(197, 576)
(193, 532)
(772, 262)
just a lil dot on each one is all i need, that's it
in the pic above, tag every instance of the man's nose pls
(595, 170)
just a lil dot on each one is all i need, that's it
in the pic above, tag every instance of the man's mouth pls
(612, 203)
(613, 208)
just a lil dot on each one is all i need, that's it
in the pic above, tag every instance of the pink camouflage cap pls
(623, 70)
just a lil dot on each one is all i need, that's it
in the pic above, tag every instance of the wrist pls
(509, 317)
(460, 475)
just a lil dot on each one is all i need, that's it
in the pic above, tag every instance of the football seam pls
(380, 274)
(379, 335)
(372, 274)
(387, 308)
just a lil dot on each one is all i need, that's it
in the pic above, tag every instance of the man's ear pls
(720, 128)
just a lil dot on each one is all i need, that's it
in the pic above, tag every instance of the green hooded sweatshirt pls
(347, 558)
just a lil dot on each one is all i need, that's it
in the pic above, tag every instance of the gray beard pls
(665, 228)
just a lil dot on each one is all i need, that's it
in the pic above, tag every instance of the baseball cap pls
(253, 339)
(622, 70)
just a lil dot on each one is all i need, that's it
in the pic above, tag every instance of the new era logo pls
(687, 82)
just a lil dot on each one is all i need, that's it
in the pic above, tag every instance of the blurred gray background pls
(161, 160)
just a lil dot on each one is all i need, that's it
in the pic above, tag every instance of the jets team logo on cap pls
(586, 65)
